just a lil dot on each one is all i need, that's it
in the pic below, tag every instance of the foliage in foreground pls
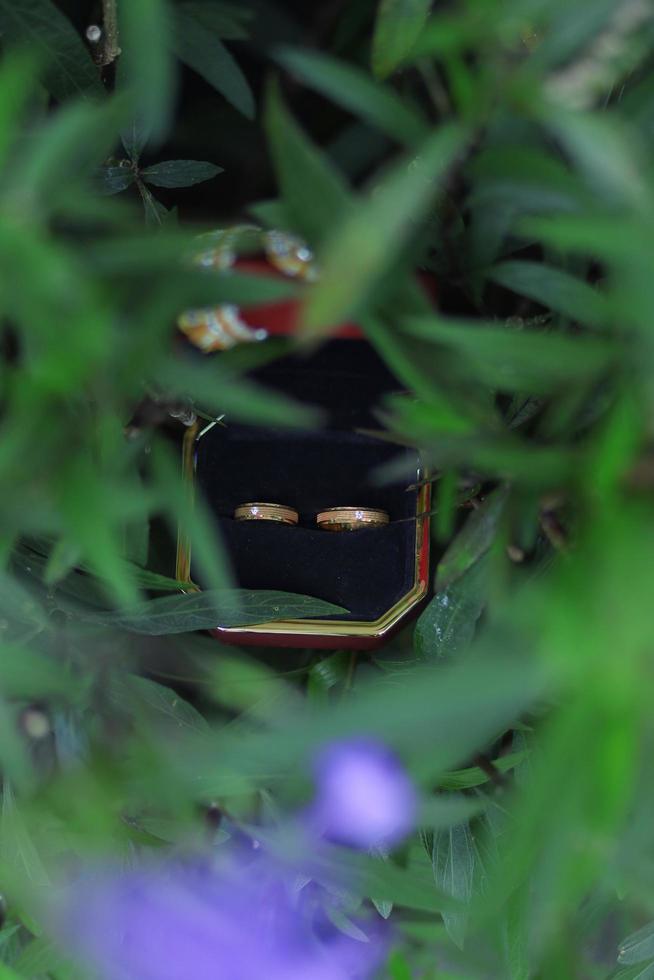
(507, 149)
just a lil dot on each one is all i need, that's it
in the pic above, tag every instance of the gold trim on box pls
(308, 627)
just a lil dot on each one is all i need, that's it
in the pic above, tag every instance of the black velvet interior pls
(365, 571)
(345, 378)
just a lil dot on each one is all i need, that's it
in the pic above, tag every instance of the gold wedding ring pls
(279, 513)
(351, 518)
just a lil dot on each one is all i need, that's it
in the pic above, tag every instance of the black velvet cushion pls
(346, 378)
(365, 571)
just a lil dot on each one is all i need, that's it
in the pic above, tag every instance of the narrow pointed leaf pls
(200, 49)
(180, 173)
(315, 195)
(210, 609)
(453, 861)
(474, 539)
(397, 28)
(446, 628)
(357, 91)
(554, 289)
(146, 67)
(364, 247)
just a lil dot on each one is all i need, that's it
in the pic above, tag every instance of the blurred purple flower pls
(364, 796)
(181, 922)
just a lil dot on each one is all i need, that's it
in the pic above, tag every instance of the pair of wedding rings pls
(331, 519)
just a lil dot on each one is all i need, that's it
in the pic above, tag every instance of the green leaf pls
(442, 811)
(143, 694)
(180, 173)
(516, 937)
(315, 195)
(225, 21)
(510, 359)
(146, 68)
(645, 972)
(607, 152)
(40, 25)
(155, 212)
(474, 539)
(327, 674)
(7, 973)
(18, 80)
(453, 861)
(210, 609)
(398, 967)
(357, 92)
(238, 398)
(554, 289)
(367, 875)
(248, 686)
(201, 50)
(397, 28)
(637, 947)
(448, 624)
(113, 180)
(18, 854)
(40, 957)
(71, 144)
(135, 136)
(364, 247)
(26, 674)
(460, 779)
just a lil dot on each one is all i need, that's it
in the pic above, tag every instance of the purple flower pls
(180, 922)
(364, 797)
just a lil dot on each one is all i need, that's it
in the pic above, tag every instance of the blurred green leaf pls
(146, 66)
(607, 153)
(315, 195)
(397, 27)
(513, 359)
(453, 860)
(642, 972)
(637, 947)
(200, 49)
(180, 173)
(40, 956)
(357, 92)
(26, 674)
(7, 973)
(40, 24)
(554, 289)
(366, 243)
(246, 685)
(226, 21)
(369, 876)
(474, 539)
(448, 624)
(18, 80)
(142, 694)
(216, 391)
(19, 855)
(327, 674)
(398, 967)
(72, 142)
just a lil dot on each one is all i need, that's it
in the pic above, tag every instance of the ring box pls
(380, 575)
